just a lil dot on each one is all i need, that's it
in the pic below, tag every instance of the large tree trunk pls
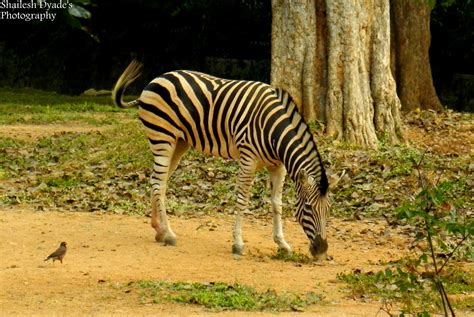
(410, 54)
(293, 51)
(354, 92)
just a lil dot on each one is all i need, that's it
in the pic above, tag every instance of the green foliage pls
(64, 181)
(392, 285)
(79, 171)
(213, 36)
(6, 163)
(260, 188)
(458, 281)
(403, 284)
(444, 232)
(293, 257)
(399, 160)
(316, 127)
(222, 296)
(111, 165)
(442, 213)
(77, 12)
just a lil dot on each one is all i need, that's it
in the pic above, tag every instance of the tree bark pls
(410, 54)
(293, 52)
(355, 93)
(349, 104)
(387, 118)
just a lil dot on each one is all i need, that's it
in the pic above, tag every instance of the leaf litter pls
(108, 171)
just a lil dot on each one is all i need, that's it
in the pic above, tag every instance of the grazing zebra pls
(246, 121)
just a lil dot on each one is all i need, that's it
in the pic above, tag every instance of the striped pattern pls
(242, 120)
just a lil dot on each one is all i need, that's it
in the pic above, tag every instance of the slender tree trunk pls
(354, 93)
(410, 54)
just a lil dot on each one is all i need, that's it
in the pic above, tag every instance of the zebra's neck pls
(295, 147)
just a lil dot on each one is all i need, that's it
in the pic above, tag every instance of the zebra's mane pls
(285, 97)
(288, 102)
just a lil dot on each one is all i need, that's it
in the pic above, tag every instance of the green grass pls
(295, 257)
(30, 106)
(222, 296)
(459, 281)
(93, 170)
(26, 97)
(109, 171)
(108, 165)
(402, 285)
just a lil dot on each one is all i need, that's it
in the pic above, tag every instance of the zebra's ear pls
(303, 178)
(334, 179)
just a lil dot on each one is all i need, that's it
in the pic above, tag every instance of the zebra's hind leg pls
(181, 148)
(277, 179)
(163, 152)
(159, 221)
(245, 179)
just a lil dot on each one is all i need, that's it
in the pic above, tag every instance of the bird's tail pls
(132, 72)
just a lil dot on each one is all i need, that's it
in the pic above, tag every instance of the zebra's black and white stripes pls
(242, 120)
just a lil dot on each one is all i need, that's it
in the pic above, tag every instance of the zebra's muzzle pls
(318, 247)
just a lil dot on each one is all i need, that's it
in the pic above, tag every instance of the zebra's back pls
(211, 114)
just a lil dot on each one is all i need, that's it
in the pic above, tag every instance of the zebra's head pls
(312, 210)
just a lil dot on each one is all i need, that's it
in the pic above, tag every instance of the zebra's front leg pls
(277, 179)
(245, 179)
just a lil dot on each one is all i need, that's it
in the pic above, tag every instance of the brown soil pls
(108, 251)
(445, 132)
(33, 132)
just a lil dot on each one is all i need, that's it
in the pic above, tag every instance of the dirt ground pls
(108, 251)
(32, 132)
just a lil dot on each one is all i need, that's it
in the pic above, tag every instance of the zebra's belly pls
(227, 150)
(161, 122)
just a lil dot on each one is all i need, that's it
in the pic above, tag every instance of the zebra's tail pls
(132, 72)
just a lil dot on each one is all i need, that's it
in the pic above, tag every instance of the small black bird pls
(58, 254)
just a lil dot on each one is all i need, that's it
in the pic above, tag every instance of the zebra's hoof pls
(170, 241)
(285, 251)
(237, 249)
(165, 238)
(160, 236)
